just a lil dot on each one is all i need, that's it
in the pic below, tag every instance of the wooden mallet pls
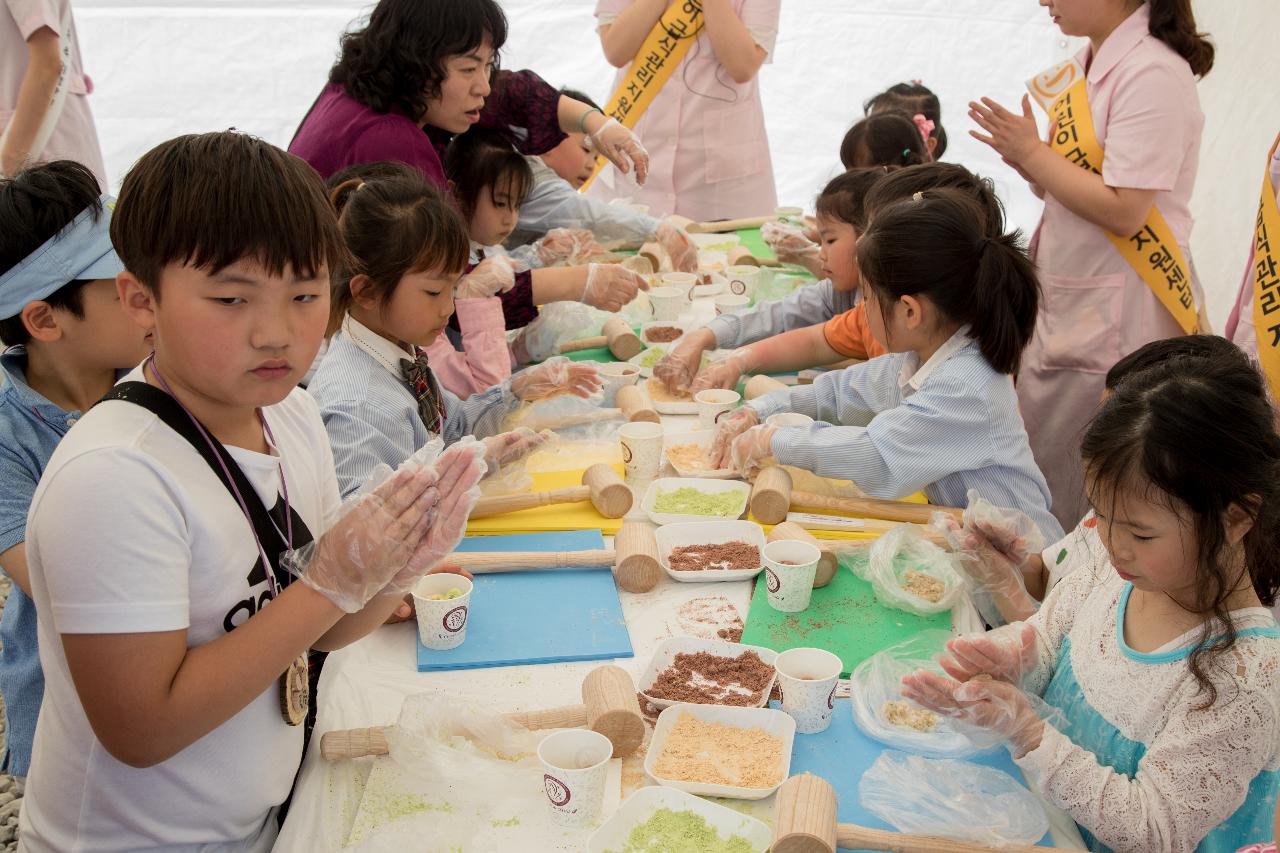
(827, 563)
(634, 558)
(618, 337)
(741, 256)
(805, 822)
(601, 485)
(635, 405)
(758, 386)
(772, 496)
(609, 706)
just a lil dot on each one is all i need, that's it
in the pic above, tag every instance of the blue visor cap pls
(81, 250)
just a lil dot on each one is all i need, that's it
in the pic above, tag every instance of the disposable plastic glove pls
(622, 148)
(789, 243)
(676, 242)
(567, 245)
(723, 373)
(1006, 654)
(555, 324)
(729, 428)
(493, 275)
(999, 593)
(676, 369)
(751, 448)
(511, 446)
(374, 539)
(556, 376)
(983, 703)
(610, 286)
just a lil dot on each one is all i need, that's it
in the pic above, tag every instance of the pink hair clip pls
(925, 125)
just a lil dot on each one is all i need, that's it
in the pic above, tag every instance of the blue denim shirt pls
(30, 429)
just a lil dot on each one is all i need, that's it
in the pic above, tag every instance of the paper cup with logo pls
(714, 402)
(788, 419)
(807, 681)
(743, 280)
(789, 569)
(727, 303)
(641, 451)
(575, 764)
(668, 302)
(685, 281)
(614, 375)
(442, 623)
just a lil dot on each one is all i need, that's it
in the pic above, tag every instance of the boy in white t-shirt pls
(156, 534)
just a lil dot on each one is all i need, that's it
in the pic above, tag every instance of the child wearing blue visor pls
(67, 338)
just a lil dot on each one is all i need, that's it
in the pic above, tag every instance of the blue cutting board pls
(537, 617)
(843, 753)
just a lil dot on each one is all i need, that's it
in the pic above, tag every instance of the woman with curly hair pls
(420, 72)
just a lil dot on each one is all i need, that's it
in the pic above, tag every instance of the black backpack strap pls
(176, 418)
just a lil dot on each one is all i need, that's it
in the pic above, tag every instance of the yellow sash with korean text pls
(1266, 279)
(1152, 251)
(659, 55)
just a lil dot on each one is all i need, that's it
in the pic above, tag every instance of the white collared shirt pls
(913, 374)
(386, 353)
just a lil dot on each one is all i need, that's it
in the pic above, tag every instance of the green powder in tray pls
(668, 831)
(690, 501)
(652, 356)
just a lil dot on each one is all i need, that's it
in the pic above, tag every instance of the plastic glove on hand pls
(1006, 654)
(1008, 532)
(724, 373)
(729, 428)
(751, 449)
(788, 242)
(676, 242)
(512, 446)
(495, 274)
(622, 148)
(556, 376)
(982, 703)
(567, 245)
(610, 287)
(459, 470)
(678, 367)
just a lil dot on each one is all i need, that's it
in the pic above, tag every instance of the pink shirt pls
(1095, 309)
(1239, 327)
(74, 137)
(709, 155)
(484, 360)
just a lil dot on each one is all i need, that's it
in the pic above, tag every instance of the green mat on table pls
(843, 617)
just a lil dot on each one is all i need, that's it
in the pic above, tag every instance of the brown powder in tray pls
(724, 556)
(704, 678)
(662, 334)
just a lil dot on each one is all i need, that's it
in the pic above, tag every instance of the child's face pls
(1151, 545)
(572, 159)
(105, 336)
(838, 253)
(463, 90)
(494, 217)
(419, 308)
(242, 338)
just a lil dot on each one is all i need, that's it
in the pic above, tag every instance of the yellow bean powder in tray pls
(712, 753)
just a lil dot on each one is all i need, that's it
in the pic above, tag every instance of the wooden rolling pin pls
(772, 497)
(601, 485)
(725, 225)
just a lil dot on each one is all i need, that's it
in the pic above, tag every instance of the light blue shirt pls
(895, 427)
(554, 203)
(802, 307)
(371, 415)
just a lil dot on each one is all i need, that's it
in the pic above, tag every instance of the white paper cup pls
(807, 680)
(727, 303)
(668, 302)
(442, 624)
(789, 570)
(743, 280)
(788, 419)
(714, 402)
(615, 375)
(641, 451)
(575, 763)
(789, 214)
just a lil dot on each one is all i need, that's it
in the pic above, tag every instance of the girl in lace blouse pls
(1161, 665)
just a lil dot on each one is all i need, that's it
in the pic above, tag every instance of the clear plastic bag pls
(955, 799)
(910, 573)
(876, 698)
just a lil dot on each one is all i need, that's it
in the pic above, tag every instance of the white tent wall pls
(165, 68)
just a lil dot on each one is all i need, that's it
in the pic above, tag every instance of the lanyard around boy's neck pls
(215, 446)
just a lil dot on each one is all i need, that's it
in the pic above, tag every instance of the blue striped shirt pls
(805, 306)
(371, 415)
(945, 427)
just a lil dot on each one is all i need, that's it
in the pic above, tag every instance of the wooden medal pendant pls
(295, 691)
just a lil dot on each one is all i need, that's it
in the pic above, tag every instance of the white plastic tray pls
(638, 358)
(702, 438)
(641, 805)
(683, 327)
(665, 655)
(671, 536)
(670, 484)
(774, 722)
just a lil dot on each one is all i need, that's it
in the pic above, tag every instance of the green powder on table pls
(691, 501)
(668, 831)
(652, 356)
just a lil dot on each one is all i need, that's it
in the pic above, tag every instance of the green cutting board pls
(843, 617)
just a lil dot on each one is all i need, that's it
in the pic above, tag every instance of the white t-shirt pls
(130, 531)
